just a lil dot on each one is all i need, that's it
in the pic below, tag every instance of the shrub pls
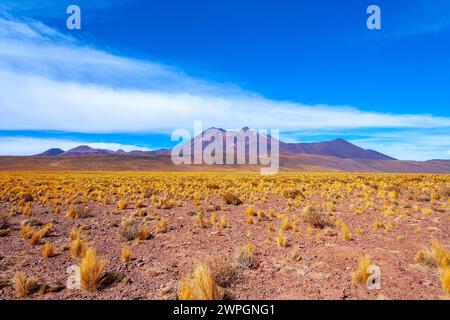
(74, 234)
(232, 199)
(441, 254)
(200, 285)
(316, 218)
(346, 234)
(48, 250)
(125, 254)
(4, 221)
(122, 204)
(362, 273)
(133, 228)
(223, 223)
(77, 248)
(437, 256)
(91, 270)
(223, 270)
(281, 239)
(292, 193)
(445, 279)
(23, 285)
(161, 226)
(244, 257)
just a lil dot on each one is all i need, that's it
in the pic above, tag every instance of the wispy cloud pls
(49, 81)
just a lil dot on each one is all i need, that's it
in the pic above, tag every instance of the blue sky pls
(139, 69)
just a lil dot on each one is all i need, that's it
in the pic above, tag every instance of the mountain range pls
(333, 155)
(339, 148)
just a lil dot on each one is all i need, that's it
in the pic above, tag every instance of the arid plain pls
(219, 235)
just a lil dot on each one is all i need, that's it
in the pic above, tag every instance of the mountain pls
(247, 138)
(242, 140)
(86, 150)
(51, 152)
(339, 148)
(334, 155)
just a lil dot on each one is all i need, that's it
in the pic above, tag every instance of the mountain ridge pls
(339, 147)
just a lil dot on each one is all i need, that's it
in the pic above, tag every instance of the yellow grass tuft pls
(281, 239)
(77, 248)
(441, 254)
(346, 234)
(213, 218)
(23, 285)
(74, 234)
(161, 227)
(48, 250)
(122, 204)
(223, 223)
(200, 285)
(245, 256)
(285, 224)
(26, 231)
(125, 254)
(445, 279)
(91, 270)
(362, 273)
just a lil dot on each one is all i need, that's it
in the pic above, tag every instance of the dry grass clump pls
(74, 233)
(91, 270)
(232, 199)
(48, 250)
(438, 256)
(78, 248)
(125, 254)
(346, 234)
(361, 274)
(122, 204)
(77, 212)
(133, 228)
(223, 223)
(4, 221)
(445, 279)
(161, 226)
(24, 285)
(292, 193)
(315, 217)
(441, 254)
(245, 256)
(281, 239)
(200, 285)
(224, 271)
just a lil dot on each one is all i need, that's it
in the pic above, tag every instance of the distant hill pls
(339, 148)
(334, 155)
(336, 148)
(52, 152)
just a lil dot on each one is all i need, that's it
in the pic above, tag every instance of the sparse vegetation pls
(23, 285)
(362, 273)
(200, 285)
(311, 213)
(48, 250)
(125, 254)
(92, 270)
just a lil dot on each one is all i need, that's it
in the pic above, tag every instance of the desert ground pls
(163, 235)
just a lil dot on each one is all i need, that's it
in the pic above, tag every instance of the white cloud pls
(49, 81)
(22, 146)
